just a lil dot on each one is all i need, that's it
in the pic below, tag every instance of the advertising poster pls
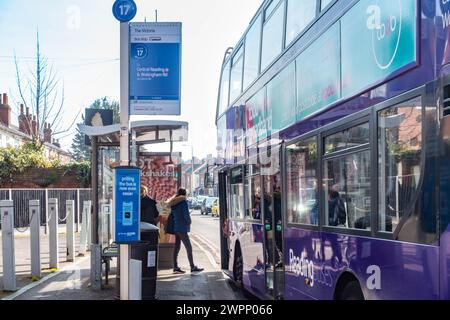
(257, 118)
(127, 205)
(155, 68)
(319, 74)
(378, 40)
(161, 174)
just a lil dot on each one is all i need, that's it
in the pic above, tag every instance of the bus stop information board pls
(155, 68)
(127, 204)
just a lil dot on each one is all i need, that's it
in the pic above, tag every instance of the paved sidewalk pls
(73, 283)
(211, 284)
(69, 284)
(23, 259)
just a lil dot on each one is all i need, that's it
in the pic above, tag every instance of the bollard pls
(35, 238)
(46, 212)
(135, 280)
(77, 225)
(88, 206)
(9, 263)
(84, 231)
(70, 230)
(53, 233)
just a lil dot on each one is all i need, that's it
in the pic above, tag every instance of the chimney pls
(5, 99)
(5, 111)
(56, 143)
(23, 127)
(34, 130)
(47, 133)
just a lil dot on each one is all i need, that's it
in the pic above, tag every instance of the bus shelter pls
(105, 142)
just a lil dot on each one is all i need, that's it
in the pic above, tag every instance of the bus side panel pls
(304, 278)
(394, 270)
(249, 237)
(445, 264)
(444, 175)
(252, 245)
(384, 269)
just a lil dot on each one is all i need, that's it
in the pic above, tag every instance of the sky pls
(80, 38)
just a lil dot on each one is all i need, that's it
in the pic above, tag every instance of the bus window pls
(252, 53)
(299, 15)
(225, 88)
(400, 151)
(254, 195)
(272, 41)
(351, 138)
(236, 74)
(347, 187)
(324, 4)
(347, 179)
(237, 193)
(237, 201)
(302, 204)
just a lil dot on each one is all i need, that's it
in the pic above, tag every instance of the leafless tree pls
(42, 92)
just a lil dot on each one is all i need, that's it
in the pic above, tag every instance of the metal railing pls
(22, 197)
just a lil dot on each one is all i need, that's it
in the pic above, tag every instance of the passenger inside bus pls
(337, 215)
(256, 201)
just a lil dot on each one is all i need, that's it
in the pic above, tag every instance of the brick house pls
(11, 135)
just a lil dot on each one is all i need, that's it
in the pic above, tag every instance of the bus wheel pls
(238, 269)
(352, 291)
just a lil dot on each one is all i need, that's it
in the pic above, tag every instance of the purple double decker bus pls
(333, 124)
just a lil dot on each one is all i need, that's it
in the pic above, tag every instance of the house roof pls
(15, 131)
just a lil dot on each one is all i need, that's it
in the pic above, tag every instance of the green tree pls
(82, 152)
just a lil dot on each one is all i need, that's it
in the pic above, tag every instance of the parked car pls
(215, 209)
(197, 205)
(191, 202)
(206, 207)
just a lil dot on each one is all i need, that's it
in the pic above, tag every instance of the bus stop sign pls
(124, 10)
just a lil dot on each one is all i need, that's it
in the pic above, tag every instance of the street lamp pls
(192, 167)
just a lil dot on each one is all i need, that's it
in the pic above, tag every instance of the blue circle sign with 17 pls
(124, 10)
(140, 52)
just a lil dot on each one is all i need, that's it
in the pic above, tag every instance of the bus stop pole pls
(124, 144)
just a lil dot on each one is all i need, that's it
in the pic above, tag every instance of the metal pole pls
(53, 231)
(124, 143)
(94, 215)
(35, 238)
(9, 263)
(95, 247)
(70, 230)
(88, 224)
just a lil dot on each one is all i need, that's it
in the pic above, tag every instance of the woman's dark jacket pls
(181, 214)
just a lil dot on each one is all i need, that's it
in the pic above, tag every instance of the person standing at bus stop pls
(182, 226)
(149, 211)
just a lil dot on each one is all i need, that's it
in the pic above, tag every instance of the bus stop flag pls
(155, 68)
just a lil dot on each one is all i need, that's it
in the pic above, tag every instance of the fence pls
(22, 197)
